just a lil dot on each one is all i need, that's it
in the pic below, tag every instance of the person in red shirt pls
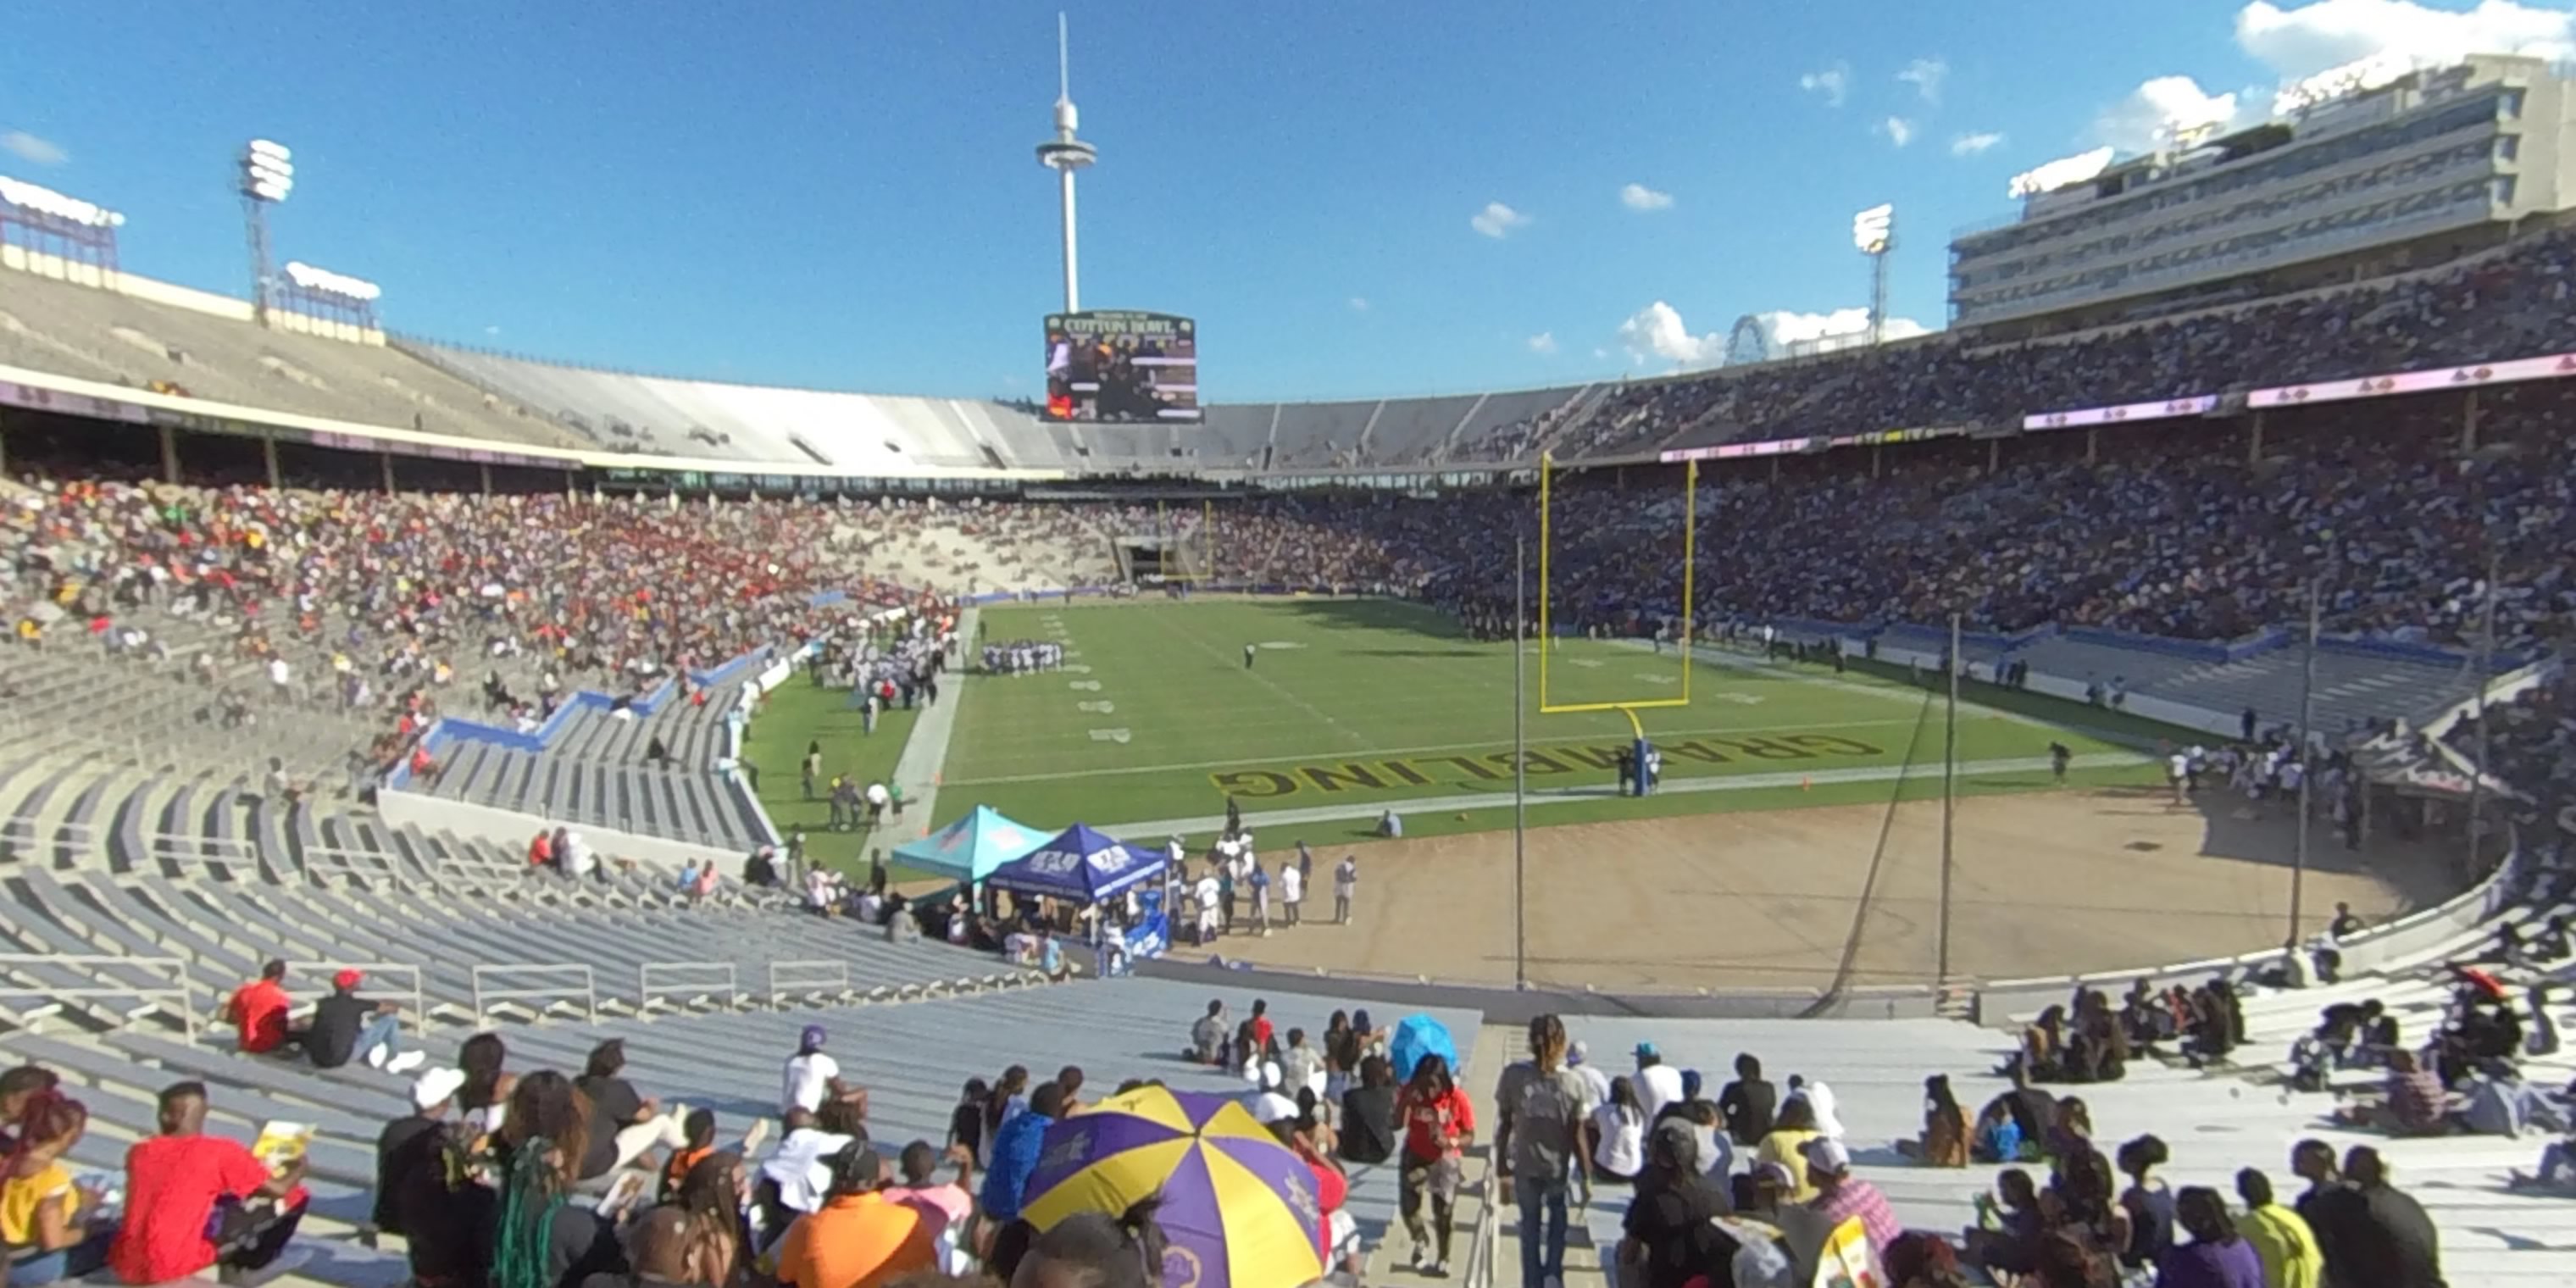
(1261, 1024)
(195, 1201)
(258, 1009)
(1439, 1124)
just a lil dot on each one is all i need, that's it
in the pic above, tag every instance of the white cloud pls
(1968, 145)
(1926, 75)
(1637, 196)
(1497, 220)
(1657, 331)
(1359, 304)
(494, 329)
(35, 151)
(1544, 343)
(1599, 352)
(1898, 130)
(2165, 103)
(2306, 39)
(1833, 82)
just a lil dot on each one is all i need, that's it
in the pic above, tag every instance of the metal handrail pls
(176, 994)
(654, 979)
(588, 990)
(827, 975)
(1484, 1239)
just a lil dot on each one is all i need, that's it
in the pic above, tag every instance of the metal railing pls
(806, 977)
(531, 987)
(323, 861)
(1485, 1237)
(686, 980)
(174, 994)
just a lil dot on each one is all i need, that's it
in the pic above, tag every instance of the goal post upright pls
(1547, 705)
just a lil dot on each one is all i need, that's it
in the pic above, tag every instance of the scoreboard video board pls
(1113, 366)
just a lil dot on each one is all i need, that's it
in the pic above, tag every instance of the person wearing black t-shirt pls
(1749, 1103)
(441, 1215)
(1368, 1114)
(1670, 1236)
(346, 1026)
(624, 1123)
(966, 1121)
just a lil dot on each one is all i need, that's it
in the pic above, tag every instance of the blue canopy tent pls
(1080, 865)
(971, 848)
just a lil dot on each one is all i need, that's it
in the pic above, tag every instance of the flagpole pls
(1520, 760)
(2307, 722)
(1949, 803)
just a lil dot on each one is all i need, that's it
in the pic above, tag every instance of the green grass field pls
(1354, 706)
(798, 714)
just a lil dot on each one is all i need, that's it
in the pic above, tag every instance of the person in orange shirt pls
(859, 1238)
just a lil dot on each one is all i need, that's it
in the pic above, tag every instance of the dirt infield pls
(2046, 882)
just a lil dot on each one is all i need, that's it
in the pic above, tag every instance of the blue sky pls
(844, 195)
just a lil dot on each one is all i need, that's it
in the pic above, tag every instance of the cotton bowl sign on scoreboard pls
(1109, 366)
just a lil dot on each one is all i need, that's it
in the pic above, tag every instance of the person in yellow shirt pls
(1790, 1132)
(859, 1238)
(2281, 1237)
(46, 1236)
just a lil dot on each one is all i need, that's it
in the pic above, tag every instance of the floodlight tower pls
(1065, 154)
(267, 175)
(1874, 234)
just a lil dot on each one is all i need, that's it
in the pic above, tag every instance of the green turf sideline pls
(1548, 796)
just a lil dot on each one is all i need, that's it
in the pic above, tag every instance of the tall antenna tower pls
(1065, 154)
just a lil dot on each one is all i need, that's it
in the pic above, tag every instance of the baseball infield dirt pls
(2045, 883)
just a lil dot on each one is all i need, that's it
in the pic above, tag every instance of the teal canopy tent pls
(970, 848)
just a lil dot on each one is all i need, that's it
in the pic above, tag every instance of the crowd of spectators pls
(392, 608)
(2169, 531)
(2512, 303)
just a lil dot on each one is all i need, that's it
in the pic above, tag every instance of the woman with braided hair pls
(714, 1250)
(539, 1240)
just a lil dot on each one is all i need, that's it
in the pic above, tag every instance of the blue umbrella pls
(1415, 1037)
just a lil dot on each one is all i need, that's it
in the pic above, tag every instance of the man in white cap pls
(413, 1196)
(1578, 1058)
(1840, 1197)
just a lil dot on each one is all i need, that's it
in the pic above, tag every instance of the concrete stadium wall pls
(511, 830)
(1517, 1006)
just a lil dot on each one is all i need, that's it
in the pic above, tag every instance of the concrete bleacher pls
(2351, 688)
(121, 338)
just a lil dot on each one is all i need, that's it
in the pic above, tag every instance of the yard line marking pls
(1414, 751)
(1097, 708)
(1275, 687)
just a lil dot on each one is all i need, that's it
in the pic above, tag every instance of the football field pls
(1351, 707)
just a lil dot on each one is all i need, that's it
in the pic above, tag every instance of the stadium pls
(2185, 622)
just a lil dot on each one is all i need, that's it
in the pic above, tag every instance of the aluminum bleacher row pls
(593, 772)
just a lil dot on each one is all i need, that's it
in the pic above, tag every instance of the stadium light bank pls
(1874, 234)
(267, 173)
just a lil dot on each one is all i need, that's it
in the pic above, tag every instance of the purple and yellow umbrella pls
(1241, 1211)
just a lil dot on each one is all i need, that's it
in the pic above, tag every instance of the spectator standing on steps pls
(1541, 1106)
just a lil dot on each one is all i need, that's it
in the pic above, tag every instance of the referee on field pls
(1248, 651)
